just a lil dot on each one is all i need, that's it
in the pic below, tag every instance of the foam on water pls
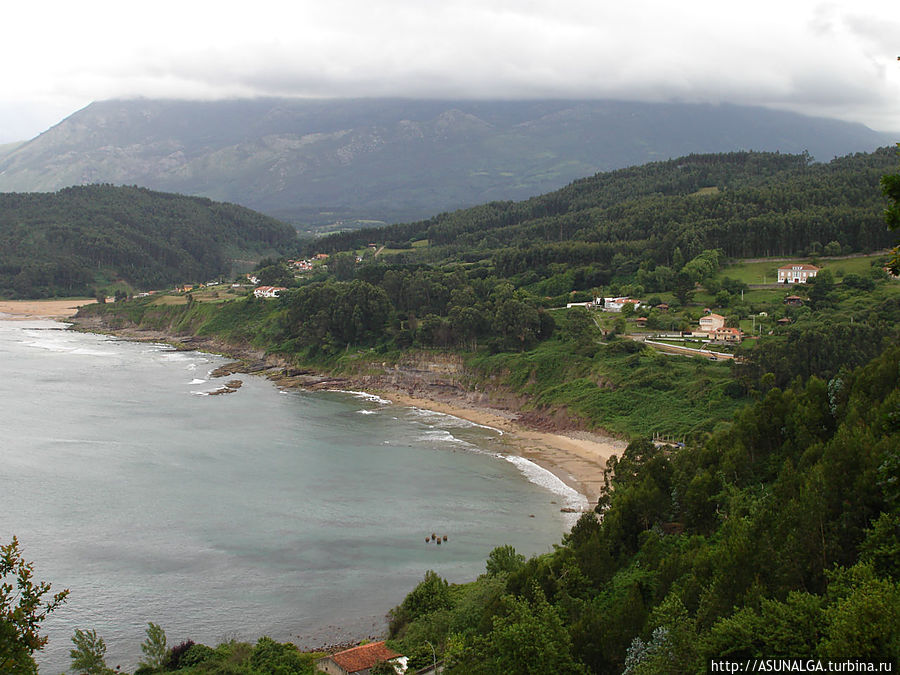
(196, 381)
(365, 395)
(56, 341)
(549, 481)
(444, 436)
(448, 420)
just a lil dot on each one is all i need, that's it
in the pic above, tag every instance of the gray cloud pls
(830, 59)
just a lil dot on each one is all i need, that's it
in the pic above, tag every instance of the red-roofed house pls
(360, 660)
(268, 291)
(726, 335)
(710, 322)
(796, 274)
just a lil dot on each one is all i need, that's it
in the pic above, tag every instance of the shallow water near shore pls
(298, 515)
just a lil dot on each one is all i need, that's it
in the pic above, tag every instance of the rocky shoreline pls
(437, 382)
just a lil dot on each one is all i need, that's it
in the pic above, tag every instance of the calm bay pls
(298, 515)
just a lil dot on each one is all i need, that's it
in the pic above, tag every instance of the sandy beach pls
(577, 458)
(41, 309)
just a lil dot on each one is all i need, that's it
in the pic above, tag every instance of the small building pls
(726, 335)
(796, 274)
(641, 321)
(616, 304)
(268, 291)
(711, 322)
(663, 307)
(794, 301)
(783, 321)
(360, 660)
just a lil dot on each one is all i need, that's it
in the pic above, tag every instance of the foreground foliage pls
(23, 608)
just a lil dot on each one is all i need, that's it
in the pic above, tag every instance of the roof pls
(804, 266)
(365, 656)
(712, 316)
(735, 331)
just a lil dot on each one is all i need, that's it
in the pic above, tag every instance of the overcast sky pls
(834, 59)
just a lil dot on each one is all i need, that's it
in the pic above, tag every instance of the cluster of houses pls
(187, 288)
(268, 291)
(306, 265)
(712, 326)
(607, 304)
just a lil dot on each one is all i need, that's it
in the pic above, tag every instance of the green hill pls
(747, 204)
(81, 239)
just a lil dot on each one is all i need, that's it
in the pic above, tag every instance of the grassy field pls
(215, 294)
(766, 272)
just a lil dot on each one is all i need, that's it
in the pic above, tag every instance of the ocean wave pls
(63, 346)
(200, 393)
(444, 436)
(364, 395)
(196, 381)
(447, 420)
(366, 412)
(549, 481)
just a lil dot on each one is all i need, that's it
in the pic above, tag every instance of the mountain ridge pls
(391, 160)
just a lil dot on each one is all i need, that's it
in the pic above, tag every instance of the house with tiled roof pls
(724, 334)
(268, 291)
(360, 660)
(711, 322)
(796, 273)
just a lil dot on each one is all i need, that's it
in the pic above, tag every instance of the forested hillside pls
(747, 204)
(80, 240)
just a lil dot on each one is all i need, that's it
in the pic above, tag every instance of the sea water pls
(297, 515)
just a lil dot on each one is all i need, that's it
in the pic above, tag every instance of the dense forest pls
(747, 204)
(81, 240)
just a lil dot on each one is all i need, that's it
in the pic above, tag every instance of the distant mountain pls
(317, 162)
(81, 239)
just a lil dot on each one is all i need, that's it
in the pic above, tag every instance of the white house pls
(616, 304)
(726, 335)
(796, 274)
(268, 291)
(711, 323)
